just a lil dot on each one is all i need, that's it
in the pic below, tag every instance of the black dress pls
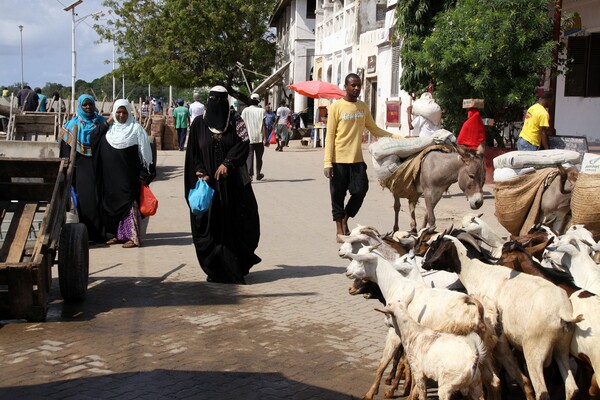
(118, 173)
(227, 235)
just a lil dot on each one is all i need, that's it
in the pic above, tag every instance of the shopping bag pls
(200, 197)
(273, 137)
(148, 202)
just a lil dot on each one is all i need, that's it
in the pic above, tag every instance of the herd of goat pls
(464, 305)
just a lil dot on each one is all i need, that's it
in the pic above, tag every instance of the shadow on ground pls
(171, 384)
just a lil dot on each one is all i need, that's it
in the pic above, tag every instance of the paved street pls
(153, 328)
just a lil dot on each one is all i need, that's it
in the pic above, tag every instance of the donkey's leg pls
(412, 205)
(432, 197)
(396, 211)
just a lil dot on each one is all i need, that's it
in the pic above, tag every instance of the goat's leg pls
(561, 356)
(535, 354)
(420, 387)
(392, 342)
(593, 390)
(503, 354)
(490, 379)
(402, 371)
(396, 212)
(392, 374)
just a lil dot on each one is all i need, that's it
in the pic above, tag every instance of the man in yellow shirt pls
(344, 164)
(536, 126)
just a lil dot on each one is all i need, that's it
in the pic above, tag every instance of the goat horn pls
(464, 236)
(386, 312)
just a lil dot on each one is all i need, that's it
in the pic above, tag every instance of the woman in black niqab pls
(226, 236)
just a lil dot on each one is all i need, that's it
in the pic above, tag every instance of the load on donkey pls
(429, 171)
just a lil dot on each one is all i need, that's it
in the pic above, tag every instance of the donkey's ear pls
(480, 149)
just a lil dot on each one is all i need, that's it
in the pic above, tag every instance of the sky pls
(47, 42)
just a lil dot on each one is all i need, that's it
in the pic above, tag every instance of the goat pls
(451, 360)
(584, 344)
(492, 242)
(573, 255)
(536, 316)
(438, 309)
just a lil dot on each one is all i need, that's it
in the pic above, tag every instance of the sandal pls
(112, 241)
(129, 244)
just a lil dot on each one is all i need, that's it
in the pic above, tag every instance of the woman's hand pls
(200, 175)
(221, 172)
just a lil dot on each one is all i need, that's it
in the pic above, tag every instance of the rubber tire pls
(73, 262)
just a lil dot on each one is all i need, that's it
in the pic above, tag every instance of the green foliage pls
(491, 49)
(190, 43)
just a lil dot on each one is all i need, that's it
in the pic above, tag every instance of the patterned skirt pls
(130, 226)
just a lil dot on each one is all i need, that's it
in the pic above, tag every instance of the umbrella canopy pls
(318, 89)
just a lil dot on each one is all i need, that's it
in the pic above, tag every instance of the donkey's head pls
(471, 175)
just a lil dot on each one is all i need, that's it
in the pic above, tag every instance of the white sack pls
(426, 107)
(590, 163)
(385, 167)
(403, 148)
(536, 159)
(504, 174)
(442, 136)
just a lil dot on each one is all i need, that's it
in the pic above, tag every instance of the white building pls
(577, 108)
(294, 21)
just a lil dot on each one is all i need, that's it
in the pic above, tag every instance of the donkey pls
(556, 200)
(438, 171)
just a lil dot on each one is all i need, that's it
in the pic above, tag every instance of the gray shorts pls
(282, 132)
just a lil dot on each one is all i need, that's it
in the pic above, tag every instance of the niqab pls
(129, 133)
(217, 112)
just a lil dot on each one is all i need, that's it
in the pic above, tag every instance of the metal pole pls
(73, 60)
(123, 78)
(22, 81)
(113, 70)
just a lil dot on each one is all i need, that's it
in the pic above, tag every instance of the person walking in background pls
(196, 108)
(123, 160)
(4, 91)
(42, 100)
(254, 118)
(79, 129)
(57, 104)
(343, 163)
(537, 125)
(472, 132)
(227, 235)
(182, 121)
(27, 99)
(282, 130)
(270, 118)
(424, 125)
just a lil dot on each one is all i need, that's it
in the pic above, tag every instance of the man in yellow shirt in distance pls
(344, 164)
(536, 126)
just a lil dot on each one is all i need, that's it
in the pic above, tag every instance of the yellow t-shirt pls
(346, 123)
(536, 117)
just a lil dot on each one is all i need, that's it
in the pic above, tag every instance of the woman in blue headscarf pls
(84, 178)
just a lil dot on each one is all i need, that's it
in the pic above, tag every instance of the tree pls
(491, 49)
(191, 43)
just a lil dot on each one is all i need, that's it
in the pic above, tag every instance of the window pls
(311, 6)
(395, 89)
(583, 75)
(380, 11)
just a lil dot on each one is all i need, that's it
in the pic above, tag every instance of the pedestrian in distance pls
(4, 92)
(42, 100)
(27, 99)
(123, 161)
(282, 128)
(537, 125)
(254, 118)
(57, 104)
(227, 234)
(270, 118)
(343, 164)
(79, 129)
(196, 108)
(421, 125)
(182, 121)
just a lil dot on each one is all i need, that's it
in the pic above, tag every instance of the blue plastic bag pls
(200, 197)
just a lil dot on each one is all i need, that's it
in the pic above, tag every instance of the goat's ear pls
(384, 311)
(480, 215)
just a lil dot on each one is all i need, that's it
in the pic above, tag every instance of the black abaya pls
(226, 236)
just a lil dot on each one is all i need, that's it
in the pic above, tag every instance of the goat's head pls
(369, 290)
(442, 255)
(358, 237)
(424, 239)
(356, 268)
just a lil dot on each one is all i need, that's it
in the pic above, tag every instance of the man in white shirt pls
(196, 108)
(254, 118)
(283, 116)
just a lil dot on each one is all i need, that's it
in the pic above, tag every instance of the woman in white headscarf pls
(123, 160)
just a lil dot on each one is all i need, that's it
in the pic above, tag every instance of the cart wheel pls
(73, 262)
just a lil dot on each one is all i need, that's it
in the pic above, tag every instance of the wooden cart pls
(39, 227)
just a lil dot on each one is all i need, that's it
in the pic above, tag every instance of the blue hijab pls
(84, 121)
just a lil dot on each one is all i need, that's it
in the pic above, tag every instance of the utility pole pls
(22, 81)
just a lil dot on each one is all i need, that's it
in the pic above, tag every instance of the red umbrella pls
(318, 90)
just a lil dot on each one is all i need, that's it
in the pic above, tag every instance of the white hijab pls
(121, 136)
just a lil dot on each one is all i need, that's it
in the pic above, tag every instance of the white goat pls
(573, 255)
(475, 225)
(438, 309)
(451, 360)
(536, 316)
(409, 266)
